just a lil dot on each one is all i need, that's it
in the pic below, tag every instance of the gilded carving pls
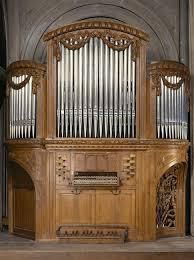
(117, 41)
(160, 70)
(97, 25)
(166, 198)
(29, 68)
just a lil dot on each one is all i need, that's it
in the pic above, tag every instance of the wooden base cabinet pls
(101, 192)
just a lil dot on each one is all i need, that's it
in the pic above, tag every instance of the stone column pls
(191, 65)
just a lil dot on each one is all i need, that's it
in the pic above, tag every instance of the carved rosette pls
(160, 70)
(167, 198)
(28, 68)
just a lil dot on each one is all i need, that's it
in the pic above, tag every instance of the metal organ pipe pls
(22, 109)
(96, 91)
(172, 110)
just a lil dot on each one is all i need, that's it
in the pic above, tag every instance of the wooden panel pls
(72, 208)
(24, 211)
(115, 209)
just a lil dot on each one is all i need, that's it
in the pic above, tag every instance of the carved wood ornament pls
(167, 197)
(115, 36)
(29, 68)
(158, 71)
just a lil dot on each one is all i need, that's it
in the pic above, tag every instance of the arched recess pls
(162, 45)
(22, 201)
(170, 201)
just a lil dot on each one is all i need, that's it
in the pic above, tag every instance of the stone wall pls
(29, 20)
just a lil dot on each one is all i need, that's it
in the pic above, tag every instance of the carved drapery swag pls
(30, 69)
(115, 40)
(166, 198)
(165, 69)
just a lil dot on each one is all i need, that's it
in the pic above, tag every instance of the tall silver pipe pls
(106, 84)
(116, 91)
(17, 112)
(184, 114)
(30, 108)
(129, 108)
(162, 108)
(71, 94)
(95, 107)
(120, 105)
(85, 90)
(22, 108)
(10, 113)
(19, 108)
(58, 96)
(125, 92)
(33, 115)
(175, 109)
(178, 110)
(62, 89)
(80, 112)
(158, 116)
(67, 83)
(76, 70)
(111, 73)
(133, 99)
(14, 112)
(101, 75)
(170, 110)
(90, 86)
(166, 111)
(26, 109)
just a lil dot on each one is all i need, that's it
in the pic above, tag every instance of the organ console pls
(102, 136)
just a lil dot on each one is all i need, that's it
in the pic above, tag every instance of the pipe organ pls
(96, 87)
(102, 135)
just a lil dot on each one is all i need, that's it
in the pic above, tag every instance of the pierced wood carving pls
(62, 169)
(166, 198)
(29, 68)
(93, 232)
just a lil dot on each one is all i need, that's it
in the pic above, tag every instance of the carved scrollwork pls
(167, 197)
(163, 69)
(115, 40)
(29, 68)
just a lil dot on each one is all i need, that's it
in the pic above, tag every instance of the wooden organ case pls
(102, 135)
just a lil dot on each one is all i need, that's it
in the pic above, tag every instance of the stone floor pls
(179, 244)
(17, 248)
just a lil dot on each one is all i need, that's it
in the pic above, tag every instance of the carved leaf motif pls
(166, 197)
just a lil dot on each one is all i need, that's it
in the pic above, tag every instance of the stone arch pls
(162, 45)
